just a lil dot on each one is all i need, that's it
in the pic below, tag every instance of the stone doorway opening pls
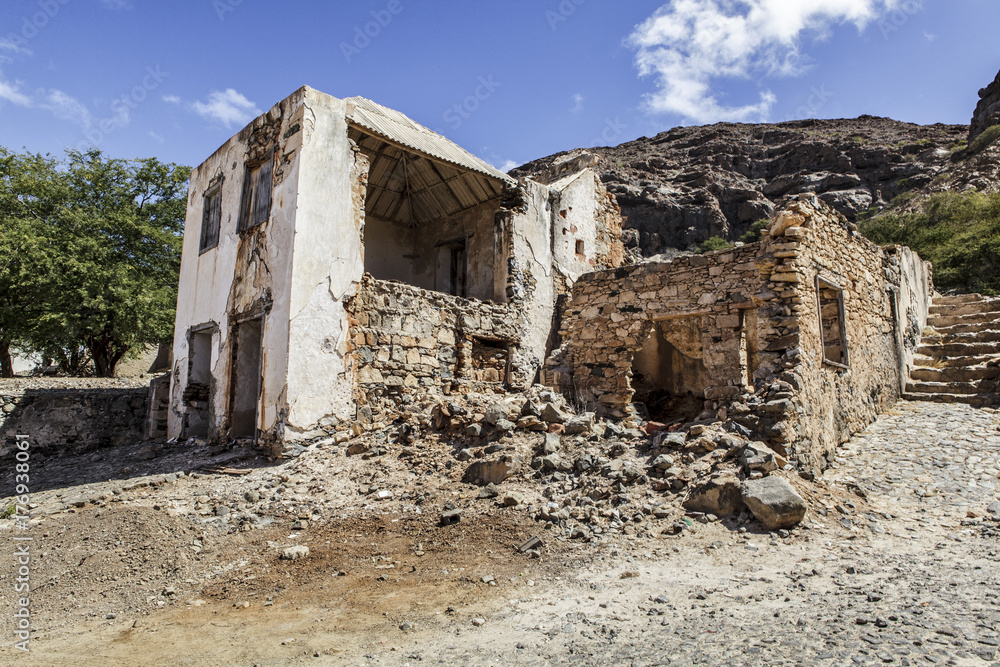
(669, 375)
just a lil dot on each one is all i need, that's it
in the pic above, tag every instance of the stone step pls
(939, 338)
(989, 325)
(955, 374)
(939, 321)
(958, 349)
(964, 388)
(979, 307)
(956, 299)
(951, 362)
(977, 400)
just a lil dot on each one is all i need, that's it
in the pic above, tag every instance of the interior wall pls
(395, 251)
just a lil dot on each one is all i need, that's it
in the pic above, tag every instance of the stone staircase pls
(953, 362)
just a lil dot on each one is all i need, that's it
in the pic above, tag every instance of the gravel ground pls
(896, 564)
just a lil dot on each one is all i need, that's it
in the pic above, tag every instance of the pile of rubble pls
(584, 476)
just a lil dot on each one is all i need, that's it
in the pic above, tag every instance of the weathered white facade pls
(286, 219)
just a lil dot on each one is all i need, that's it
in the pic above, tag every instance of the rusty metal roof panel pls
(400, 129)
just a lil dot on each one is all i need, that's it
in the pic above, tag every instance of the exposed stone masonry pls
(61, 420)
(755, 314)
(413, 341)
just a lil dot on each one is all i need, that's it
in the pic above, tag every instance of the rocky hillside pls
(692, 183)
(988, 111)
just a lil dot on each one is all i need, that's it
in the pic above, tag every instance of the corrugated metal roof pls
(397, 127)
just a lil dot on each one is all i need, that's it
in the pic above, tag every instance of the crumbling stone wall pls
(413, 341)
(60, 420)
(613, 313)
(833, 402)
(747, 324)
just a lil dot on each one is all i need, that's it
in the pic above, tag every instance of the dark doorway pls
(669, 375)
(198, 394)
(245, 379)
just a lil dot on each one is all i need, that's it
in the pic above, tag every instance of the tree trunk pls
(106, 356)
(6, 364)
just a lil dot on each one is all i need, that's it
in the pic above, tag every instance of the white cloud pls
(929, 36)
(688, 45)
(508, 165)
(66, 107)
(155, 137)
(229, 108)
(578, 100)
(11, 93)
(117, 4)
(171, 99)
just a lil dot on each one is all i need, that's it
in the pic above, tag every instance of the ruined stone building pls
(801, 339)
(341, 259)
(339, 255)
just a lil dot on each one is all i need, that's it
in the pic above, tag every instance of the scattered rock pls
(774, 502)
(720, 495)
(451, 517)
(295, 553)
(530, 544)
(489, 471)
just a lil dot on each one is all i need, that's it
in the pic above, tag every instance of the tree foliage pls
(89, 255)
(959, 232)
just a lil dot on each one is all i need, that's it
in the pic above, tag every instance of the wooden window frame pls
(825, 283)
(211, 218)
(255, 210)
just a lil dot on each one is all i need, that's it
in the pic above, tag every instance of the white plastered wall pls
(206, 294)
(575, 220)
(329, 262)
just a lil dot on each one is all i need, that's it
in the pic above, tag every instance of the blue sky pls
(510, 80)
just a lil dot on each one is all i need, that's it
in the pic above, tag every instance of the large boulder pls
(774, 502)
(720, 495)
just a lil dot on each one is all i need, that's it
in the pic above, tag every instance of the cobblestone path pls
(897, 564)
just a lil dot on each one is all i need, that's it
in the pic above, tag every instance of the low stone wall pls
(59, 420)
(421, 343)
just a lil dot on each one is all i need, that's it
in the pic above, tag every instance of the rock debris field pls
(157, 554)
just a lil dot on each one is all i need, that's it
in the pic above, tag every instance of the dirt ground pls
(167, 555)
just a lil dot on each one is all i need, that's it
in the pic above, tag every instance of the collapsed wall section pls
(418, 343)
(702, 307)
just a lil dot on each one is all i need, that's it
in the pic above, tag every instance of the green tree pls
(31, 193)
(107, 234)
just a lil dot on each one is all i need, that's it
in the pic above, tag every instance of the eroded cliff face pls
(988, 111)
(692, 183)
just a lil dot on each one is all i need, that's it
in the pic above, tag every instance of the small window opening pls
(833, 327)
(580, 247)
(211, 219)
(255, 208)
